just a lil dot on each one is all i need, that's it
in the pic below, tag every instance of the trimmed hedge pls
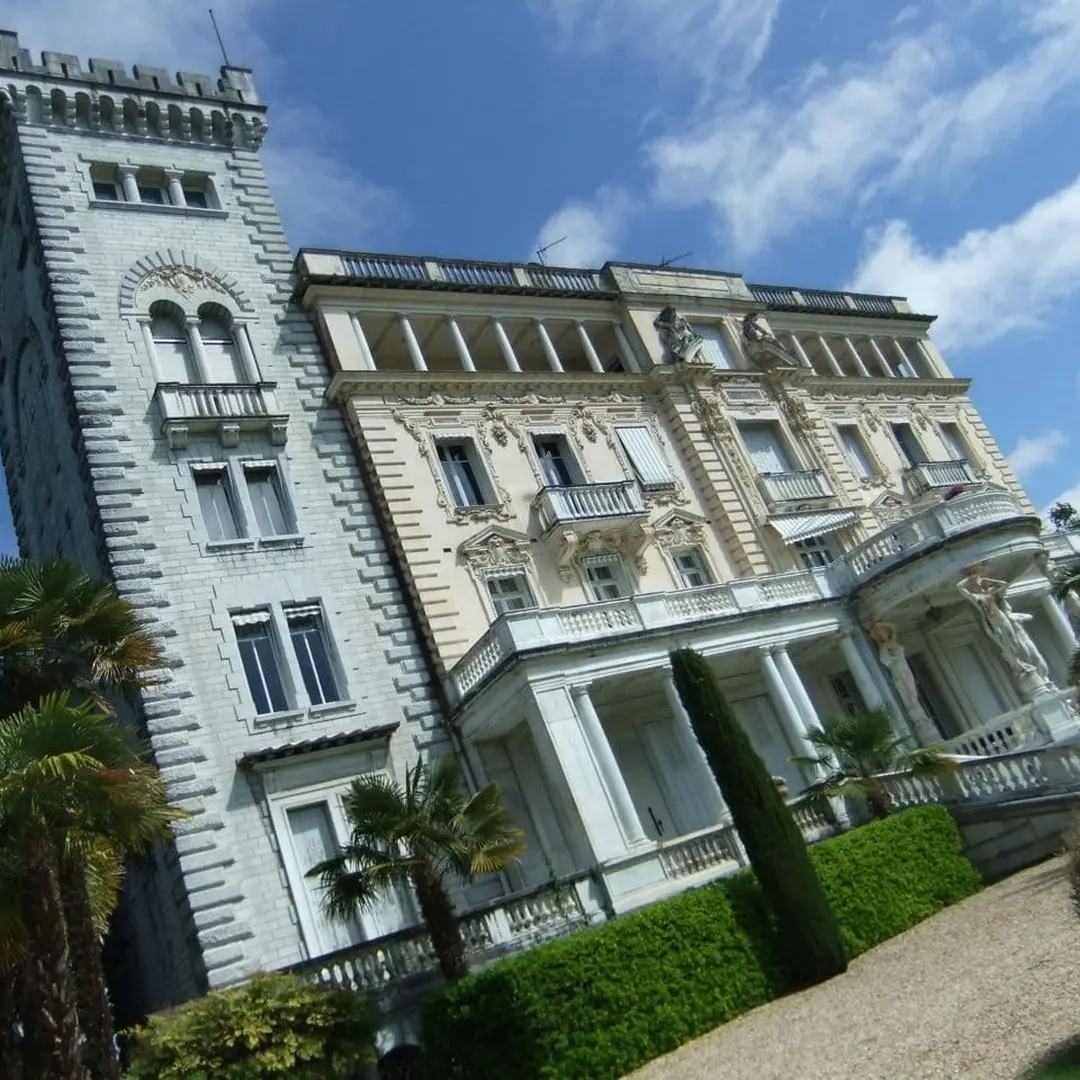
(598, 1004)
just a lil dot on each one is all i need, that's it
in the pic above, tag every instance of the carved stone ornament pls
(629, 542)
(677, 336)
(185, 280)
(715, 423)
(495, 548)
(678, 530)
(762, 346)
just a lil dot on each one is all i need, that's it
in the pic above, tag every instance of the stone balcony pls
(225, 410)
(928, 475)
(794, 488)
(589, 504)
(937, 526)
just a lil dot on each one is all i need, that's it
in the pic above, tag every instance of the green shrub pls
(601, 1003)
(271, 1028)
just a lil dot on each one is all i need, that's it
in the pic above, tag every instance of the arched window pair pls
(211, 349)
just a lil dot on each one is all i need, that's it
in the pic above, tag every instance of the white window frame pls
(574, 467)
(824, 546)
(698, 553)
(950, 433)
(325, 780)
(297, 702)
(295, 612)
(486, 488)
(864, 459)
(717, 333)
(528, 592)
(220, 473)
(784, 444)
(235, 469)
(620, 576)
(645, 454)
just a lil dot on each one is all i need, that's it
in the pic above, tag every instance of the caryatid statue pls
(893, 658)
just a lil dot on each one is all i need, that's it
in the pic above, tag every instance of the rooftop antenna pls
(541, 251)
(221, 44)
(665, 261)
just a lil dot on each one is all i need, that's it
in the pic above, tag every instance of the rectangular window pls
(462, 476)
(106, 190)
(556, 461)
(856, 450)
(510, 593)
(196, 197)
(260, 660)
(714, 346)
(955, 445)
(153, 195)
(815, 551)
(646, 457)
(909, 444)
(312, 654)
(692, 568)
(267, 501)
(216, 503)
(606, 579)
(767, 452)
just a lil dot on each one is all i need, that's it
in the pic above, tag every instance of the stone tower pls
(164, 423)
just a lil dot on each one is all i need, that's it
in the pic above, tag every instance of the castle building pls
(378, 506)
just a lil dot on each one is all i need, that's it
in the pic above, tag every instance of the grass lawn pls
(1062, 1065)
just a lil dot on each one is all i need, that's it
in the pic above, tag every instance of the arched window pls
(171, 344)
(222, 359)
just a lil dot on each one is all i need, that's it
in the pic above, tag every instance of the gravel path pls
(982, 990)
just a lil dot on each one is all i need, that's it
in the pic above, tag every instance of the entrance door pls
(769, 739)
(653, 809)
(983, 698)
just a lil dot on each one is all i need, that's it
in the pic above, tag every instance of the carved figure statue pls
(753, 330)
(893, 658)
(1004, 626)
(677, 335)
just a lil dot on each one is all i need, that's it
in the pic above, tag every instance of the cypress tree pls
(812, 946)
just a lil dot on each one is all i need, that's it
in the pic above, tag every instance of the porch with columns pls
(605, 774)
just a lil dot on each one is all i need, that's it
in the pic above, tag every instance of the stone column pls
(589, 349)
(860, 367)
(626, 350)
(706, 791)
(361, 340)
(786, 708)
(625, 811)
(198, 350)
(1060, 622)
(830, 356)
(864, 679)
(151, 348)
(800, 352)
(546, 344)
(416, 354)
(885, 366)
(808, 716)
(129, 183)
(504, 343)
(460, 344)
(247, 353)
(175, 188)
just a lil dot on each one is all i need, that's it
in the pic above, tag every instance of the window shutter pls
(764, 448)
(645, 456)
(854, 447)
(714, 346)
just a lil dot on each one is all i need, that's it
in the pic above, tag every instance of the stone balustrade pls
(589, 502)
(810, 485)
(927, 475)
(226, 409)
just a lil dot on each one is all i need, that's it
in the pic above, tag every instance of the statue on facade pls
(893, 657)
(677, 335)
(1003, 626)
(763, 347)
(753, 331)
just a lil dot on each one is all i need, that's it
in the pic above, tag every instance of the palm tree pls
(859, 749)
(418, 836)
(77, 796)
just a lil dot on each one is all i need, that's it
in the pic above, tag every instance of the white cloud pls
(322, 199)
(920, 104)
(593, 229)
(1034, 451)
(991, 282)
(706, 40)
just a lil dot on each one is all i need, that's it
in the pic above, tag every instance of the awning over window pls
(795, 527)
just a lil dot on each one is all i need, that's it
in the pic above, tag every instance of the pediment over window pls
(496, 546)
(678, 528)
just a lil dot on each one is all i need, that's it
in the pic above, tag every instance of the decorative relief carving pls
(715, 423)
(678, 530)
(185, 280)
(629, 542)
(495, 548)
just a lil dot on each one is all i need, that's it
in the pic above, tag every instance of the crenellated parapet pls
(105, 98)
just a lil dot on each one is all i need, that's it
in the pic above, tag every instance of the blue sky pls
(927, 149)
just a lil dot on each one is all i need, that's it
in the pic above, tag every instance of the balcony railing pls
(927, 475)
(807, 486)
(226, 409)
(589, 502)
(1063, 545)
(540, 628)
(508, 925)
(930, 527)
(823, 299)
